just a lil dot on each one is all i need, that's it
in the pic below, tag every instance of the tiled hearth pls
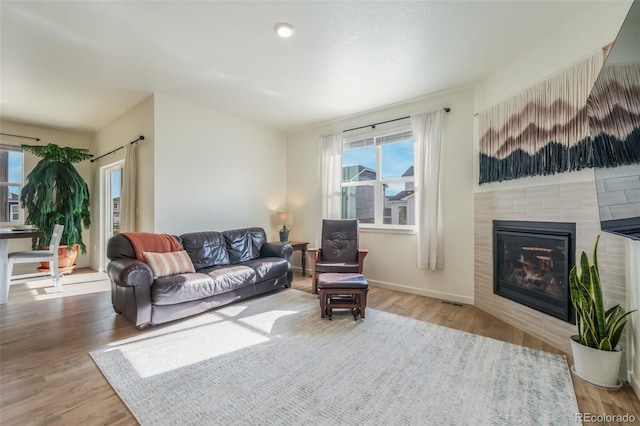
(570, 202)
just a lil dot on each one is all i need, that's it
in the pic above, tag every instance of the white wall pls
(392, 256)
(137, 121)
(214, 171)
(575, 40)
(59, 137)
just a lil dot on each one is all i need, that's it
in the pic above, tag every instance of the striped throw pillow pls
(171, 263)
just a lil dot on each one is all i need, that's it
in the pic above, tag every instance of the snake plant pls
(597, 328)
(56, 193)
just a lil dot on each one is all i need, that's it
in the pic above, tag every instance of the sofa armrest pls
(277, 249)
(127, 272)
(131, 282)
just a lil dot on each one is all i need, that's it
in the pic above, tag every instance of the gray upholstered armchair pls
(339, 251)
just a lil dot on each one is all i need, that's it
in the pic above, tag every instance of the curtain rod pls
(373, 126)
(19, 136)
(140, 138)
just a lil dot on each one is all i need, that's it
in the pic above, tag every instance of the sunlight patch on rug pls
(196, 341)
(272, 361)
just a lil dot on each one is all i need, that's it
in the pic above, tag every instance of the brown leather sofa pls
(230, 266)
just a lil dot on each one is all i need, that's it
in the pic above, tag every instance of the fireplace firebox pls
(532, 261)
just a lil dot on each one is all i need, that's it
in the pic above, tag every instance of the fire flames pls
(534, 269)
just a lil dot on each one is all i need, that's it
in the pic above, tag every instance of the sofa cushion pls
(180, 288)
(230, 277)
(206, 249)
(171, 263)
(268, 267)
(336, 267)
(244, 244)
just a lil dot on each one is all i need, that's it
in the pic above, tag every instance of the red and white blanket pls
(151, 242)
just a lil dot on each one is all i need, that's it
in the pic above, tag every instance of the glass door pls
(112, 184)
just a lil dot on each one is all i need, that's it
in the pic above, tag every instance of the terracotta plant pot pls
(66, 260)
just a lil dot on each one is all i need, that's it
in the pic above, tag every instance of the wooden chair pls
(34, 256)
(339, 251)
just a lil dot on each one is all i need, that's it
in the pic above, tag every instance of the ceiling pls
(79, 65)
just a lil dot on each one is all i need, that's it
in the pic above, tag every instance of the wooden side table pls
(302, 246)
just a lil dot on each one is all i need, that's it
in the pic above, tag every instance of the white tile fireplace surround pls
(565, 202)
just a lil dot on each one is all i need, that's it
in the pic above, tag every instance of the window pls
(14, 212)
(378, 178)
(10, 183)
(114, 174)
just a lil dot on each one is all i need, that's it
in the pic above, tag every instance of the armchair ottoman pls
(342, 291)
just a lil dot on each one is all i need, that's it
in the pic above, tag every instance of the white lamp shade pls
(285, 218)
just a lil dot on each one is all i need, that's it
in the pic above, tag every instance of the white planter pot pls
(595, 366)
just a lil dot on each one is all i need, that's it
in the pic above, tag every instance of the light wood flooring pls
(48, 378)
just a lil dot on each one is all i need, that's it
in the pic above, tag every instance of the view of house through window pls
(10, 183)
(378, 178)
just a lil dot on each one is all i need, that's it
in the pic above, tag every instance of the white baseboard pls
(633, 381)
(422, 292)
(412, 290)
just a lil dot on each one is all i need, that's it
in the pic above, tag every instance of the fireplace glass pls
(532, 261)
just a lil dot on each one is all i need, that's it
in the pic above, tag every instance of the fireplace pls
(532, 261)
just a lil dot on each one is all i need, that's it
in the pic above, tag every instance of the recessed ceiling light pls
(284, 29)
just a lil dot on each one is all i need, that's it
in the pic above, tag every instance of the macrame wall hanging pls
(614, 116)
(545, 129)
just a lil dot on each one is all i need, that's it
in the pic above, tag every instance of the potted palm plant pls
(595, 349)
(56, 193)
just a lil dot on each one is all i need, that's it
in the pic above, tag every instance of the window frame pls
(379, 182)
(13, 212)
(9, 184)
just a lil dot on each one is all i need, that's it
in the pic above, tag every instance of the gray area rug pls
(273, 361)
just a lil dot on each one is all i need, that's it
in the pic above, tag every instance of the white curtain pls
(128, 203)
(330, 178)
(427, 134)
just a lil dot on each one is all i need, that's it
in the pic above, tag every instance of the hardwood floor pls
(48, 378)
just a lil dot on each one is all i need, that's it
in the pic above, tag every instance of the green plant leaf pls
(598, 328)
(55, 192)
(598, 301)
(595, 252)
(605, 344)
